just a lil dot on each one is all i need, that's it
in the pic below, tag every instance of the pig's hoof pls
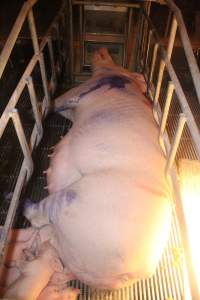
(32, 213)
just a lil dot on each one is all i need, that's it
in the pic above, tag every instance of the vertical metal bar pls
(153, 63)
(144, 38)
(162, 63)
(44, 80)
(22, 139)
(81, 36)
(33, 32)
(168, 100)
(59, 64)
(175, 143)
(33, 99)
(71, 52)
(168, 23)
(136, 59)
(52, 60)
(63, 35)
(147, 48)
(172, 38)
(40, 55)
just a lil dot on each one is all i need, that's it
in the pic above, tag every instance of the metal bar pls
(175, 143)
(52, 60)
(82, 2)
(147, 48)
(33, 99)
(33, 32)
(22, 139)
(81, 36)
(153, 63)
(71, 51)
(5, 54)
(136, 56)
(169, 95)
(162, 63)
(40, 55)
(168, 23)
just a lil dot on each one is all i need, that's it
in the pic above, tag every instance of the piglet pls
(35, 274)
(57, 292)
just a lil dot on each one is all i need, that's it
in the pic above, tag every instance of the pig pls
(109, 200)
(35, 274)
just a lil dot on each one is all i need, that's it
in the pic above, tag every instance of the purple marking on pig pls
(71, 196)
(114, 81)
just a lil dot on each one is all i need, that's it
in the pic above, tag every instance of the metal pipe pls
(162, 63)
(153, 62)
(52, 60)
(33, 99)
(22, 139)
(109, 3)
(39, 54)
(170, 91)
(147, 48)
(71, 40)
(175, 143)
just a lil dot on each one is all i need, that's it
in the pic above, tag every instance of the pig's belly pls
(115, 231)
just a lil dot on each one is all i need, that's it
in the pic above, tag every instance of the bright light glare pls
(190, 193)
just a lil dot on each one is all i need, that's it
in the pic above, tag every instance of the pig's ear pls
(139, 80)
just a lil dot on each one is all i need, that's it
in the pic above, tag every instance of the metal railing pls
(55, 34)
(166, 91)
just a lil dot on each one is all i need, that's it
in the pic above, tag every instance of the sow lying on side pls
(109, 201)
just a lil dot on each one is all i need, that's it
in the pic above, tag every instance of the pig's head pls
(103, 64)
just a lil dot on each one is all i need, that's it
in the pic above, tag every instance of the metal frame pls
(161, 115)
(10, 112)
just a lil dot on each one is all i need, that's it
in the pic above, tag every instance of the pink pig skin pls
(109, 200)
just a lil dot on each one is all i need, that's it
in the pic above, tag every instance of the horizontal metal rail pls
(110, 3)
(11, 113)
